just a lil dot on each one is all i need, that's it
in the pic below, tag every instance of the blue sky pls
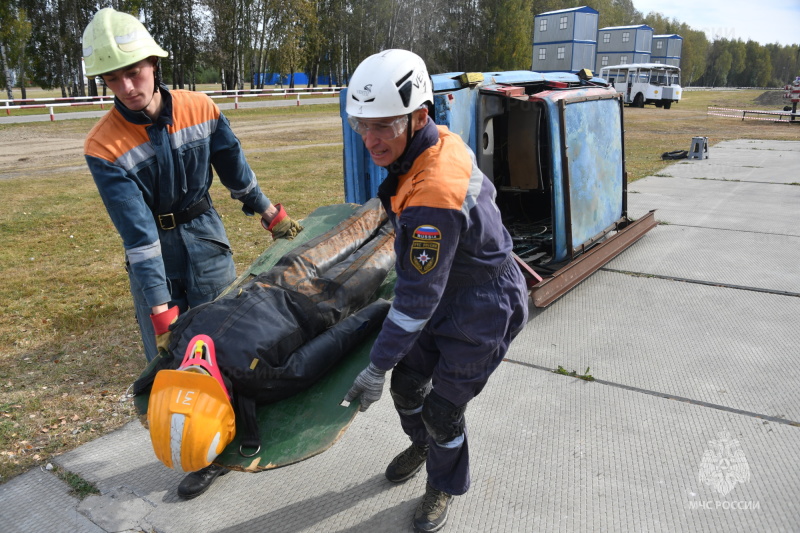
(763, 21)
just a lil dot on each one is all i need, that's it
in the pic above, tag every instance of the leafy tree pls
(15, 30)
(693, 54)
(510, 28)
(760, 64)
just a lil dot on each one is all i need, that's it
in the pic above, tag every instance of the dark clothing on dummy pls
(276, 334)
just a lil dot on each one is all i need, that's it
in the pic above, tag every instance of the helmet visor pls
(384, 129)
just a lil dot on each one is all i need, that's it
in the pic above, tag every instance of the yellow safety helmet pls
(114, 40)
(189, 414)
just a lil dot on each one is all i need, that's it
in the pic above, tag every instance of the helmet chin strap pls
(157, 75)
(409, 136)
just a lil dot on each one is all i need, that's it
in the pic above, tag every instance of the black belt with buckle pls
(170, 221)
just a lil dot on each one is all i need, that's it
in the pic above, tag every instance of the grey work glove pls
(368, 386)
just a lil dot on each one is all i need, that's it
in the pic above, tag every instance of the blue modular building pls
(564, 40)
(667, 49)
(620, 45)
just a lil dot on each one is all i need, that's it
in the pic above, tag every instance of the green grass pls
(586, 376)
(79, 486)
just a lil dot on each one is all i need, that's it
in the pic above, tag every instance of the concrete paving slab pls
(761, 144)
(699, 195)
(745, 160)
(38, 501)
(551, 453)
(763, 261)
(756, 207)
(726, 347)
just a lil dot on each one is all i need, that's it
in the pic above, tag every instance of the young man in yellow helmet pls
(460, 299)
(151, 158)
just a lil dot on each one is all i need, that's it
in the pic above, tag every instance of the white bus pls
(645, 83)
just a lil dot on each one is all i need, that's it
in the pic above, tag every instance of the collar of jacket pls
(140, 117)
(424, 139)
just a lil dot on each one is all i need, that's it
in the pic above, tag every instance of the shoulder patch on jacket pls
(425, 248)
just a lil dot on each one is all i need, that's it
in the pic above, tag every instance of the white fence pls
(53, 103)
(759, 115)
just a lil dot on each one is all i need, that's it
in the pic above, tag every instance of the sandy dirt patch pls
(26, 152)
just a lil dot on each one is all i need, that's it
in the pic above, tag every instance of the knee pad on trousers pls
(408, 388)
(443, 420)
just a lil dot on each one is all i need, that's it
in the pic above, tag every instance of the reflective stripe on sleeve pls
(244, 192)
(143, 253)
(406, 323)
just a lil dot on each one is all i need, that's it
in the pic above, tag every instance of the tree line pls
(229, 41)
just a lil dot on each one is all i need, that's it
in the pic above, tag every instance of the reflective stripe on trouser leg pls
(448, 456)
(448, 468)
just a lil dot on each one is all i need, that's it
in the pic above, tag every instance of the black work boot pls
(432, 510)
(197, 483)
(408, 463)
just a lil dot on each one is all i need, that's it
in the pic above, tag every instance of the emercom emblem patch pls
(425, 248)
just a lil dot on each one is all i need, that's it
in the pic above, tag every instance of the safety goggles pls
(386, 130)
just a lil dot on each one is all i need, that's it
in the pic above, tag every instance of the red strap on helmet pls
(201, 353)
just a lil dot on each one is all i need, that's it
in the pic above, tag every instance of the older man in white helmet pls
(151, 158)
(459, 298)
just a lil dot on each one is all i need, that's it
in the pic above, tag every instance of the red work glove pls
(282, 226)
(161, 323)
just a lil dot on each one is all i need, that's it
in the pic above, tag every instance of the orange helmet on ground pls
(189, 414)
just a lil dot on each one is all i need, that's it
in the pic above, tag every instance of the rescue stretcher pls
(311, 421)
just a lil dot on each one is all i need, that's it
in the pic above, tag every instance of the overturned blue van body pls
(553, 145)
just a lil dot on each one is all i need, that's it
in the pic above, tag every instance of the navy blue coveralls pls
(154, 179)
(459, 298)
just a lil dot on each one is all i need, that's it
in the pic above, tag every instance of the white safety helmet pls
(389, 84)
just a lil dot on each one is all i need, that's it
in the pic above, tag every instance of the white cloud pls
(763, 21)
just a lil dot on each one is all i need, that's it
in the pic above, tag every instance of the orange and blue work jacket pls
(144, 168)
(448, 234)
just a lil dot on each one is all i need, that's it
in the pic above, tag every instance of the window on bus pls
(644, 76)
